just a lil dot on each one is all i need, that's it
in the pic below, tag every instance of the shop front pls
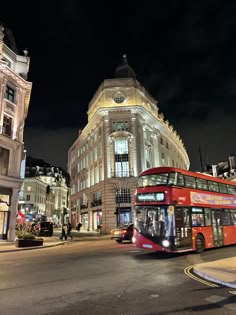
(97, 220)
(4, 215)
(85, 221)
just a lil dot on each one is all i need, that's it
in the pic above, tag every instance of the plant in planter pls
(25, 238)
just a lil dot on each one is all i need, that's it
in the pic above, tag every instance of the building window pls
(10, 94)
(163, 158)
(120, 126)
(96, 199)
(123, 196)
(148, 157)
(161, 141)
(28, 197)
(119, 97)
(121, 158)
(4, 161)
(7, 123)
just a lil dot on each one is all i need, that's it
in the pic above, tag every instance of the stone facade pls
(125, 135)
(15, 93)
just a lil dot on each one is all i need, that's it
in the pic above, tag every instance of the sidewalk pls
(220, 271)
(54, 240)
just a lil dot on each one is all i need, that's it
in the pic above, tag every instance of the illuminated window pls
(120, 126)
(123, 196)
(121, 158)
(147, 157)
(119, 97)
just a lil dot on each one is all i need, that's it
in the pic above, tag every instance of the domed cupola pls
(124, 70)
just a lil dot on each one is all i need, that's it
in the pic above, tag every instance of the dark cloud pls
(183, 53)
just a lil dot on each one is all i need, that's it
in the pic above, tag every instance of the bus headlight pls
(165, 243)
(133, 239)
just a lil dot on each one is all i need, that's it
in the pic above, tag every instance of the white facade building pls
(44, 193)
(14, 102)
(125, 135)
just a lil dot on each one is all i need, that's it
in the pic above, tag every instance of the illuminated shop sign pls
(151, 197)
(212, 199)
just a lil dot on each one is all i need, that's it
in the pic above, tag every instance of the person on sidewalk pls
(69, 228)
(64, 232)
(79, 226)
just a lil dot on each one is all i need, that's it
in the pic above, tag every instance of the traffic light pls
(64, 211)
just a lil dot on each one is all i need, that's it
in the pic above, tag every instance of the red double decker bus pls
(177, 210)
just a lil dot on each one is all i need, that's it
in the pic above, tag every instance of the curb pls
(212, 279)
(30, 248)
(85, 239)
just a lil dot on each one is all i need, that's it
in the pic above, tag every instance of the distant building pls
(125, 135)
(14, 102)
(44, 191)
(224, 169)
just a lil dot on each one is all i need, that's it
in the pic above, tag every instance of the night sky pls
(183, 53)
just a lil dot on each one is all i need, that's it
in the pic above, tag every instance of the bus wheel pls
(200, 243)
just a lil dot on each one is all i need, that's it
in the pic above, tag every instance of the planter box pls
(28, 243)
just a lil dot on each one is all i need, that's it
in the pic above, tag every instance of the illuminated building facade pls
(44, 192)
(15, 93)
(125, 135)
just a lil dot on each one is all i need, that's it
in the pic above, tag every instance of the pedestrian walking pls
(79, 226)
(64, 232)
(69, 228)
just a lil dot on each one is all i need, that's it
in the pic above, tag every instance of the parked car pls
(123, 233)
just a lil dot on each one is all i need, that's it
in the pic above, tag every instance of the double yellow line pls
(188, 272)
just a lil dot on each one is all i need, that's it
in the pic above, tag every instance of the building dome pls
(124, 70)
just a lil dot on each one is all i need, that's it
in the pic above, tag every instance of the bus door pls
(183, 228)
(217, 229)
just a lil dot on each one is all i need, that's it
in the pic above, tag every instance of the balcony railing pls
(96, 203)
(122, 174)
(83, 206)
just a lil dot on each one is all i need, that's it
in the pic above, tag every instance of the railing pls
(83, 206)
(122, 174)
(95, 203)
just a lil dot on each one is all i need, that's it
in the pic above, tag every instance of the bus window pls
(172, 178)
(201, 184)
(197, 217)
(213, 186)
(233, 217)
(231, 190)
(190, 181)
(207, 216)
(223, 188)
(180, 180)
(225, 217)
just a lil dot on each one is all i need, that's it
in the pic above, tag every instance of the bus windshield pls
(154, 221)
(153, 180)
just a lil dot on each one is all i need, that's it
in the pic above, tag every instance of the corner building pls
(125, 135)
(15, 93)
